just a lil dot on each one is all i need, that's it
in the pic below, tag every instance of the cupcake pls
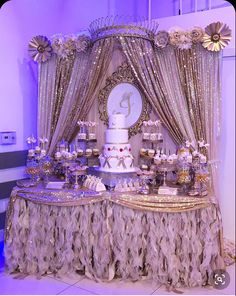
(80, 152)
(151, 152)
(58, 155)
(31, 153)
(143, 151)
(95, 152)
(144, 167)
(37, 150)
(88, 152)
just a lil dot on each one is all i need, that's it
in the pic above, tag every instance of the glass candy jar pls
(46, 166)
(184, 177)
(202, 179)
(33, 169)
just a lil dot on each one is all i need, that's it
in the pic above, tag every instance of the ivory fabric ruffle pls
(106, 239)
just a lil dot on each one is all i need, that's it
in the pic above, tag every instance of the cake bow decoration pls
(122, 162)
(132, 160)
(106, 162)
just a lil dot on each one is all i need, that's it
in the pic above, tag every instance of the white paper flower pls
(188, 143)
(185, 41)
(180, 38)
(57, 44)
(202, 144)
(195, 153)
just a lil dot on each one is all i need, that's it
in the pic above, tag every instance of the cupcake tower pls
(87, 130)
(152, 138)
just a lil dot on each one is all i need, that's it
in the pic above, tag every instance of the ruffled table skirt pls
(106, 238)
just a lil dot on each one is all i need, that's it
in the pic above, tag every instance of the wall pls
(171, 8)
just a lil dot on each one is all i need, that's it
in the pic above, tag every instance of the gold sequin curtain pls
(75, 85)
(158, 88)
(46, 100)
(199, 71)
(54, 77)
(99, 60)
(63, 76)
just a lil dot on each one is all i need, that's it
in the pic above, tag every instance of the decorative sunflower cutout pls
(217, 36)
(40, 49)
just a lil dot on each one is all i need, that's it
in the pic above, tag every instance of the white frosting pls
(115, 136)
(117, 121)
(116, 155)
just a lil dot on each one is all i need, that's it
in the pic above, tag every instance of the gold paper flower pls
(197, 34)
(161, 39)
(217, 36)
(82, 43)
(40, 49)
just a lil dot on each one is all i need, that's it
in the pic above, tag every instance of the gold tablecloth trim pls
(152, 202)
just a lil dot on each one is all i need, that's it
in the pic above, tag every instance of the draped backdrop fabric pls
(74, 91)
(199, 71)
(183, 87)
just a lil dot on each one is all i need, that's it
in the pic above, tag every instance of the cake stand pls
(164, 168)
(109, 178)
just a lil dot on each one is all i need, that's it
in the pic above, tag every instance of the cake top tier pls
(117, 121)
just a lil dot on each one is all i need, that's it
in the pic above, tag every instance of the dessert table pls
(175, 240)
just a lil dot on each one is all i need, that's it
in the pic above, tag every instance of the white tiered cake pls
(116, 156)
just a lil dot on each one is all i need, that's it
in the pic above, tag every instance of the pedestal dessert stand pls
(164, 168)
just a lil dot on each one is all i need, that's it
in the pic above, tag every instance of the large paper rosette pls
(197, 34)
(161, 39)
(40, 48)
(82, 43)
(217, 36)
(58, 45)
